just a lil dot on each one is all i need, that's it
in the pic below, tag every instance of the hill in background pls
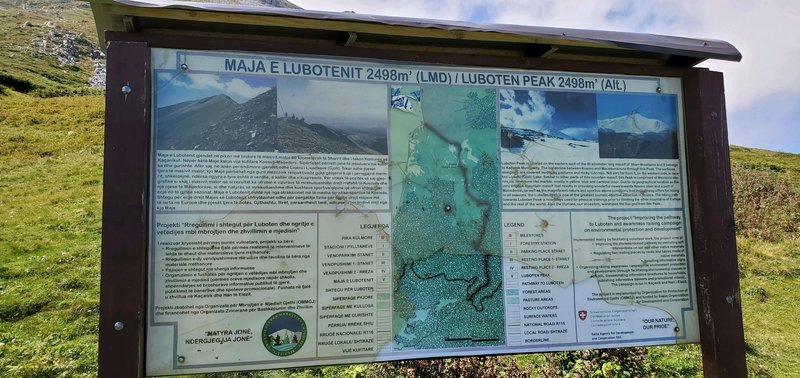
(218, 123)
(49, 48)
(636, 136)
(51, 154)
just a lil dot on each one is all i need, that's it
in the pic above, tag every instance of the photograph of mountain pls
(217, 112)
(637, 126)
(548, 123)
(226, 112)
(335, 117)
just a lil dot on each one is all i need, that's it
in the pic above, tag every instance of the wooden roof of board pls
(413, 34)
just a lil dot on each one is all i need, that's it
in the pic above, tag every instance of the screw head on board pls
(126, 89)
(119, 326)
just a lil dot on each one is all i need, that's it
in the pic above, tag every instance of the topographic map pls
(446, 210)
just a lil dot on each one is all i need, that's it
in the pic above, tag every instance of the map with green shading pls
(446, 216)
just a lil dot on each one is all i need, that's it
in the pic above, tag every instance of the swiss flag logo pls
(582, 314)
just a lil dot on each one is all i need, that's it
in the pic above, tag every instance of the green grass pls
(770, 284)
(50, 223)
(783, 163)
(42, 75)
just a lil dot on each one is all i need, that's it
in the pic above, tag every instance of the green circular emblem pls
(284, 333)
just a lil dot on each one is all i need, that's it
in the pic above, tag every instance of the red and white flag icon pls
(582, 314)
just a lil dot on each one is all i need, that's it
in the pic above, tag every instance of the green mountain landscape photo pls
(51, 166)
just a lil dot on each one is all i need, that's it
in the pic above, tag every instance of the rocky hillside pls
(50, 48)
(218, 123)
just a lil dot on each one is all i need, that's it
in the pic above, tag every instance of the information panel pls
(309, 211)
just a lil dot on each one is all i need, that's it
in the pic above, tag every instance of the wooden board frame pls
(126, 182)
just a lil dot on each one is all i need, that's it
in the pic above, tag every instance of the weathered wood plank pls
(714, 238)
(123, 263)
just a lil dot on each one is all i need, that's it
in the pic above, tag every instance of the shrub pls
(622, 362)
(467, 367)
(764, 203)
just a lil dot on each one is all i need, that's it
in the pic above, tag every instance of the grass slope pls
(50, 192)
(770, 284)
(767, 210)
(783, 163)
(23, 66)
(50, 223)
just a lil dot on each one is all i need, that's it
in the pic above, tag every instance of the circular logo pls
(284, 333)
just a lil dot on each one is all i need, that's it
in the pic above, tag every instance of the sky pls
(344, 105)
(173, 87)
(762, 91)
(339, 104)
(554, 113)
(653, 106)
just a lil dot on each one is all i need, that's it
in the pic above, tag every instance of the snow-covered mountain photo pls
(548, 125)
(637, 126)
(633, 123)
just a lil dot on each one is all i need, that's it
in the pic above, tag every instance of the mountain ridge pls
(633, 123)
(219, 123)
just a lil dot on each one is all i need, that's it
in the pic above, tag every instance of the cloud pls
(480, 13)
(765, 32)
(174, 87)
(335, 103)
(409, 8)
(771, 123)
(525, 109)
(761, 33)
(165, 76)
(234, 87)
(441, 10)
(205, 81)
(238, 88)
(581, 133)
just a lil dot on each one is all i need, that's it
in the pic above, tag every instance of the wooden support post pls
(714, 238)
(123, 263)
